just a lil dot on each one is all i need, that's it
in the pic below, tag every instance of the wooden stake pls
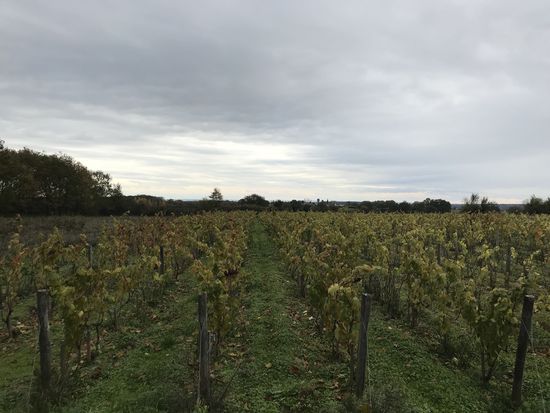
(363, 343)
(42, 299)
(204, 351)
(91, 255)
(301, 285)
(162, 268)
(523, 343)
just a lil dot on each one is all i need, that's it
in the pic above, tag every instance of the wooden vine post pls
(42, 299)
(91, 255)
(523, 343)
(161, 258)
(301, 285)
(363, 343)
(204, 351)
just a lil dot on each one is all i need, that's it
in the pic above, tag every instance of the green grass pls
(429, 383)
(17, 358)
(148, 368)
(148, 365)
(16, 368)
(432, 383)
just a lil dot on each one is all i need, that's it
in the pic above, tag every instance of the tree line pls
(35, 183)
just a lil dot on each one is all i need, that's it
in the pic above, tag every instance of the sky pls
(306, 99)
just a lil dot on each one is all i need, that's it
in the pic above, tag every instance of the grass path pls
(285, 366)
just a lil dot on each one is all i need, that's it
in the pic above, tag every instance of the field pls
(283, 292)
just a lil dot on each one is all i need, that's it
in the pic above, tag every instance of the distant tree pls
(321, 206)
(216, 195)
(365, 206)
(278, 205)
(405, 207)
(433, 206)
(471, 204)
(441, 205)
(254, 199)
(536, 205)
(475, 204)
(488, 206)
(103, 186)
(296, 205)
(385, 206)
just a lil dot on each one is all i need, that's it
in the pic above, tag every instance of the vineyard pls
(283, 295)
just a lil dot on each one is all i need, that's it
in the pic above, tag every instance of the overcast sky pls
(290, 99)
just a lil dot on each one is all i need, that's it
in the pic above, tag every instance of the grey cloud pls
(432, 98)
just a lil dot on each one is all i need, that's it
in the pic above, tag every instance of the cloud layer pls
(309, 99)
